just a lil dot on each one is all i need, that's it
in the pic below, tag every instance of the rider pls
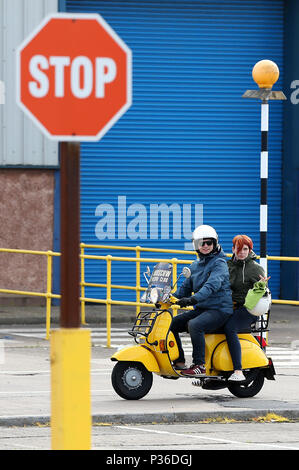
(244, 271)
(208, 291)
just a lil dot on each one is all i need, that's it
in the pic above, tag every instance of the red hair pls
(240, 240)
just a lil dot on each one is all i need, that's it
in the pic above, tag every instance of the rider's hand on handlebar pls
(186, 301)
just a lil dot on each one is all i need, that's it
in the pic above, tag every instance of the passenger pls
(244, 271)
(211, 299)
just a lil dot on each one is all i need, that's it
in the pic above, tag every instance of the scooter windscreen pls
(159, 286)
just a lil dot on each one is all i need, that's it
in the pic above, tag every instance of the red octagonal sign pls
(74, 76)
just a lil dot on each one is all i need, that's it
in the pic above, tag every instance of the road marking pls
(23, 446)
(227, 441)
(22, 373)
(41, 392)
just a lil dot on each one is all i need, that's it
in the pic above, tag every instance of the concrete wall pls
(26, 222)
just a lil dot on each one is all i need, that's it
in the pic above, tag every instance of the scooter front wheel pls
(131, 380)
(251, 387)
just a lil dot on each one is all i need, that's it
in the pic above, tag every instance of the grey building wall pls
(27, 159)
(21, 142)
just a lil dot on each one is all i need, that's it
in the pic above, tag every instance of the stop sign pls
(74, 76)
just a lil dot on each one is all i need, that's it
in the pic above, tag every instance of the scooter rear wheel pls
(131, 380)
(254, 383)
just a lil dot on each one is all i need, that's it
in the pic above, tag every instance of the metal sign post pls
(68, 109)
(70, 345)
(69, 234)
(265, 73)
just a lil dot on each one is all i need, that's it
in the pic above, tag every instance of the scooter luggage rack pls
(143, 324)
(261, 326)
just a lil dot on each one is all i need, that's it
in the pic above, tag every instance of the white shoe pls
(237, 377)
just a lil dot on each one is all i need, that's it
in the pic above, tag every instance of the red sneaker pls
(195, 370)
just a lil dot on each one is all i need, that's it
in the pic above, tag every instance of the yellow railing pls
(108, 301)
(137, 260)
(48, 295)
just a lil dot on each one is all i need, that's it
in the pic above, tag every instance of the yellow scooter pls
(156, 349)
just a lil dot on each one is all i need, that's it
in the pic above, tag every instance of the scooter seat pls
(241, 331)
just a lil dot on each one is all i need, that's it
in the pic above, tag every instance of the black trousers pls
(197, 322)
(240, 320)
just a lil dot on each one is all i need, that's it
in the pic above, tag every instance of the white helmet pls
(262, 306)
(201, 232)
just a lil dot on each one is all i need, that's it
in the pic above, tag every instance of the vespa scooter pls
(156, 349)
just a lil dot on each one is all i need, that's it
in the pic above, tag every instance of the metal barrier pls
(108, 301)
(48, 295)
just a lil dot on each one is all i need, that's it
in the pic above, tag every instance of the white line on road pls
(227, 441)
(40, 392)
(21, 373)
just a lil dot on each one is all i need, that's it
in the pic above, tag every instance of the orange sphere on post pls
(265, 73)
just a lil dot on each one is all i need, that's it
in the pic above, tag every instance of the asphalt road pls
(177, 439)
(174, 415)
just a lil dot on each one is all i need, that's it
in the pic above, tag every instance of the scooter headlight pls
(166, 293)
(154, 295)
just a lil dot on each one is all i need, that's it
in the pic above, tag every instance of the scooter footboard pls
(137, 354)
(252, 354)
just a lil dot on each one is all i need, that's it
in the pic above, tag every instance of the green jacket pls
(243, 274)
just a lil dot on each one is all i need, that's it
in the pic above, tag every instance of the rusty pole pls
(71, 422)
(70, 234)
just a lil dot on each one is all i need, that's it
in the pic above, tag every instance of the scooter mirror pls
(186, 272)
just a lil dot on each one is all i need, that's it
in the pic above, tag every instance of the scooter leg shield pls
(137, 354)
(252, 355)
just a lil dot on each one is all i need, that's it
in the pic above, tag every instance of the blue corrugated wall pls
(189, 140)
(290, 167)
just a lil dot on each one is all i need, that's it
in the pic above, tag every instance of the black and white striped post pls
(265, 73)
(264, 185)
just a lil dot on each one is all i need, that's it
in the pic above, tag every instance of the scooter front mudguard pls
(137, 354)
(252, 355)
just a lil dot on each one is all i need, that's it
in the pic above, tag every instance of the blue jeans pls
(197, 323)
(240, 320)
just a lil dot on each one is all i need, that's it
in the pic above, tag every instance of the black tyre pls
(254, 383)
(131, 380)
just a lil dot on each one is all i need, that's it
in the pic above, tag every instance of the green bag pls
(255, 294)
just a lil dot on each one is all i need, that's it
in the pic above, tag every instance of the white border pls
(121, 43)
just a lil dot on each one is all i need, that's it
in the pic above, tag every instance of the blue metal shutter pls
(189, 138)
